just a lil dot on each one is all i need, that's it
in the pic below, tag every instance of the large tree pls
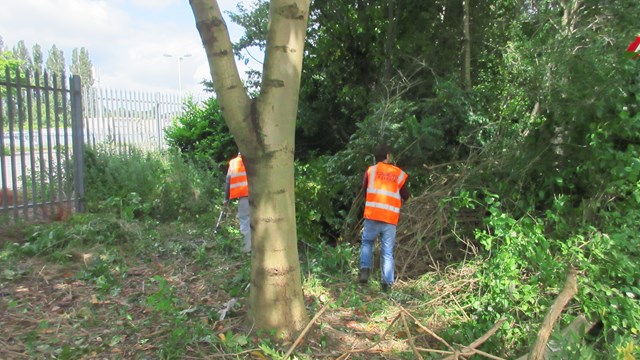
(22, 53)
(81, 65)
(38, 58)
(264, 130)
(55, 61)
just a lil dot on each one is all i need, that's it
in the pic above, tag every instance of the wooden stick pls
(487, 355)
(471, 349)
(487, 335)
(567, 293)
(409, 338)
(304, 332)
(355, 351)
(428, 330)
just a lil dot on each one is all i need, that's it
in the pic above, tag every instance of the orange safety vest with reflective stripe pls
(383, 200)
(238, 184)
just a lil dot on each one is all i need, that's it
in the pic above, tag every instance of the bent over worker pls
(237, 187)
(385, 189)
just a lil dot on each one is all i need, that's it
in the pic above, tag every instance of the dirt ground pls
(50, 310)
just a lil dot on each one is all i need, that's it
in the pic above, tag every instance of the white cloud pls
(126, 39)
(65, 23)
(154, 4)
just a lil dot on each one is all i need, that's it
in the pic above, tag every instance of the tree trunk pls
(276, 299)
(467, 45)
(389, 44)
(264, 130)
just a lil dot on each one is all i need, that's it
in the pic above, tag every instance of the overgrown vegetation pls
(532, 172)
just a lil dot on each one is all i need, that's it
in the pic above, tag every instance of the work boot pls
(385, 287)
(364, 276)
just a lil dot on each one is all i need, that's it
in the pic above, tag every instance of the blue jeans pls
(370, 233)
(244, 218)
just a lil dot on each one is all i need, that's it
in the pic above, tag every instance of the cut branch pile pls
(430, 234)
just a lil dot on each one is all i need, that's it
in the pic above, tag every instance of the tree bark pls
(567, 293)
(390, 42)
(467, 45)
(264, 130)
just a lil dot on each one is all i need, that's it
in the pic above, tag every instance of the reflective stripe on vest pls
(238, 184)
(383, 193)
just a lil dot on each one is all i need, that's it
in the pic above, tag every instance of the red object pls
(635, 45)
(239, 186)
(383, 200)
(634, 48)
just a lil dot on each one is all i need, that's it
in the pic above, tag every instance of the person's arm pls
(365, 181)
(227, 186)
(404, 191)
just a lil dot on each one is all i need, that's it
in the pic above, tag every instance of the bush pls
(202, 136)
(138, 184)
(526, 266)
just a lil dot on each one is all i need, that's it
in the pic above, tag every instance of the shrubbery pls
(138, 184)
(202, 136)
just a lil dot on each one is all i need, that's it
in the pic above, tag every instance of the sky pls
(126, 39)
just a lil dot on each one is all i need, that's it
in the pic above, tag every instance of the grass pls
(154, 290)
(113, 286)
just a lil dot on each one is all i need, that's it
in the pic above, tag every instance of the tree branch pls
(567, 293)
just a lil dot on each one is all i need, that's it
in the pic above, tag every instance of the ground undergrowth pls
(100, 287)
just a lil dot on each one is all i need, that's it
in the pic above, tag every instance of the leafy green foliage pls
(239, 282)
(325, 259)
(164, 299)
(527, 263)
(106, 273)
(140, 184)
(186, 190)
(552, 123)
(110, 174)
(57, 239)
(202, 136)
(8, 63)
(321, 204)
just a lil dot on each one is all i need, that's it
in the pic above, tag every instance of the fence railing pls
(123, 118)
(41, 155)
(44, 125)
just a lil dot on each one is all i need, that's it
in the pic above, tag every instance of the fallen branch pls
(409, 338)
(427, 330)
(304, 332)
(348, 353)
(471, 348)
(466, 351)
(14, 354)
(487, 335)
(567, 293)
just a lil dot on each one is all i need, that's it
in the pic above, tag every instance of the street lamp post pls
(179, 70)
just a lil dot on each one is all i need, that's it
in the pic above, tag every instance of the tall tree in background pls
(22, 53)
(264, 130)
(55, 61)
(466, 41)
(355, 50)
(8, 60)
(38, 58)
(81, 65)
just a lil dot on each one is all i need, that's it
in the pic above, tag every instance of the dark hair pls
(381, 152)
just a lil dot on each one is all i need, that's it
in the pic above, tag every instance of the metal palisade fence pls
(41, 155)
(44, 126)
(123, 119)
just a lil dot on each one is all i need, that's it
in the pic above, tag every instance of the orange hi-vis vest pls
(383, 193)
(238, 184)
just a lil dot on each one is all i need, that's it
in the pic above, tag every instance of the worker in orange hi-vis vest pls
(237, 187)
(385, 187)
